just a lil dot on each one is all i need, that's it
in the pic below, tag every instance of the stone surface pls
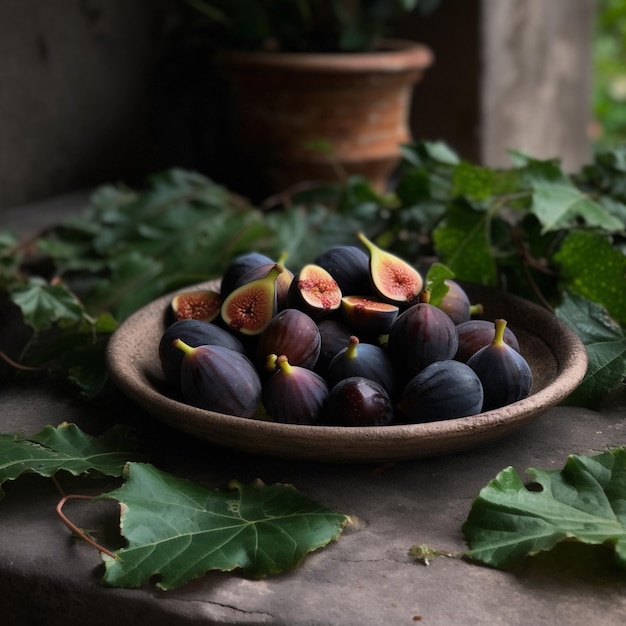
(366, 577)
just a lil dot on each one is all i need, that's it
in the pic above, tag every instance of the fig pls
(476, 334)
(456, 302)
(442, 390)
(421, 335)
(315, 292)
(283, 281)
(504, 372)
(362, 359)
(294, 394)
(202, 304)
(358, 401)
(392, 278)
(366, 316)
(238, 267)
(195, 333)
(249, 308)
(291, 333)
(219, 379)
(349, 266)
(334, 337)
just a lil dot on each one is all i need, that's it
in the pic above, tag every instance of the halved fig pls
(238, 267)
(368, 316)
(202, 304)
(393, 279)
(283, 281)
(315, 292)
(250, 308)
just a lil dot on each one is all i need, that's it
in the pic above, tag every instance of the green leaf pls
(585, 501)
(180, 530)
(435, 282)
(44, 304)
(590, 266)
(606, 349)
(462, 243)
(65, 448)
(473, 181)
(561, 205)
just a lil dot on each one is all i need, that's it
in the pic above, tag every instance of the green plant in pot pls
(319, 92)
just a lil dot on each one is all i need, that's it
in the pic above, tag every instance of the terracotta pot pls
(304, 117)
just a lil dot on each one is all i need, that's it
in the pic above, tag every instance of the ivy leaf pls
(560, 205)
(606, 348)
(435, 282)
(44, 304)
(65, 447)
(179, 530)
(585, 501)
(462, 243)
(590, 266)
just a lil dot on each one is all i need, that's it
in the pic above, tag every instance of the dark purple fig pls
(219, 379)
(456, 302)
(238, 267)
(248, 309)
(504, 372)
(393, 279)
(194, 333)
(476, 334)
(283, 281)
(202, 304)
(359, 401)
(315, 292)
(294, 334)
(442, 390)
(368, 317)
(349, 266)
(362, 359)
(421, 335)
(335, 336)
(294, 395)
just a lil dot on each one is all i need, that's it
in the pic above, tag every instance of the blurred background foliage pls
(609, 80)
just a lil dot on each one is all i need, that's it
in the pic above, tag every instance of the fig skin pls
(249, 308)
(365, 360)
(442, 390)
(241, 264)
(368, 317)
(194, 333)
(358, 401)
(334, 337)
(294, 334)
(476, 334)
(421, 335)
(456, 302)
(504, 372)
(315, 292)
(294, 394)
(393, 280)
(219, 379)
(349, 266)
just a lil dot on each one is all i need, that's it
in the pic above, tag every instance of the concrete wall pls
(75, 81)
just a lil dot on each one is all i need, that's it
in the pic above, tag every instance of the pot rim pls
(394, 56)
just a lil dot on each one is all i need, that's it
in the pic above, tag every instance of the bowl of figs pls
(354, 358)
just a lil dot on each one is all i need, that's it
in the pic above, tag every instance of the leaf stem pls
(26, 368)
(78, 531)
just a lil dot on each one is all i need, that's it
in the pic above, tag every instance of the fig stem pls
(181, 345)
(283, 362)
(352, 351)
(477, 309)
(498, 338)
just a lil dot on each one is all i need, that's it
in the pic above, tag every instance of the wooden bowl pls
(556, 356)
